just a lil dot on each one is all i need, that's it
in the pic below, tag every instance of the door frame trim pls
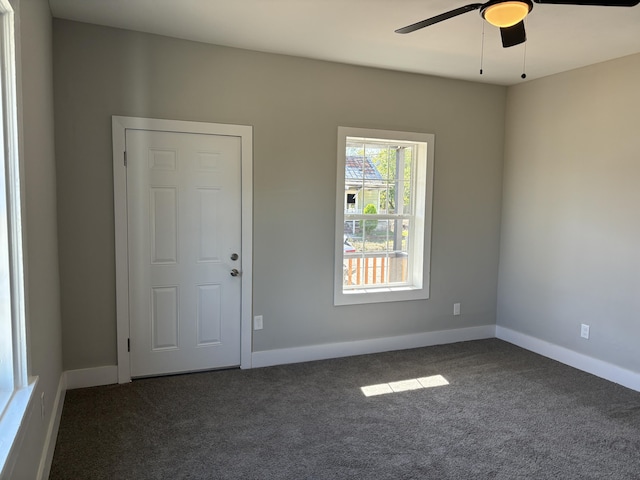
(119, 127)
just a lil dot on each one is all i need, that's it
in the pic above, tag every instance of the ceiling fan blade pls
(439, 18)
(598, 3)
(514, 35)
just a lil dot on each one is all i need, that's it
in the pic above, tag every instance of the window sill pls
(380, 295)
(11, 421)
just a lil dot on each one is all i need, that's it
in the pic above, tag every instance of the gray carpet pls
(505, 414)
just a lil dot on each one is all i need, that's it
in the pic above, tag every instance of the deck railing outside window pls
(374, 269)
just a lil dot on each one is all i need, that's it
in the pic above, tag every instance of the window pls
(383, 216)
(15, 390)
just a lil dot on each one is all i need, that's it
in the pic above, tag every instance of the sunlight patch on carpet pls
(404, 385)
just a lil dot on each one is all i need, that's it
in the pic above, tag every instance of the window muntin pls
(383, 215)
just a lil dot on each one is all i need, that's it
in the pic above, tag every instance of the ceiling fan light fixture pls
(506, 14)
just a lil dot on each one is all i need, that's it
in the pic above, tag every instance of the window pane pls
(383, 158)
(353, 170)
(404, 198)
(373, 240)
(351, 231)
(398, 256)
(387, 198)
(408, 163)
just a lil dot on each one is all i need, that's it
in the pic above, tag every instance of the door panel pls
(184, 224)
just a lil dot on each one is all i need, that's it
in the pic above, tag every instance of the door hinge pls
(125, 159)
(128, 344)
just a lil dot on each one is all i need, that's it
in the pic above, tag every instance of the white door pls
(184, 232)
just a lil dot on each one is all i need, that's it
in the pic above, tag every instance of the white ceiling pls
(361, 32)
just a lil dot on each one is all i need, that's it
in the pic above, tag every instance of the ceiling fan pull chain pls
(524, 62)
(482, 49)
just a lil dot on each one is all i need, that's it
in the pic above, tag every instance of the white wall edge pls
(599, 368)
(309, 353)
(52, 432)
(91, 377)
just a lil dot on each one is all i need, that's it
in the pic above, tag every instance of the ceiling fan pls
(509, 15)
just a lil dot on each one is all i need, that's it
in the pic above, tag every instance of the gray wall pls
(295, 106)
(42, 279)
(571, 211)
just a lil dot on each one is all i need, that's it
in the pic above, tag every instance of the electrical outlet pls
(257, 322)
(456, 309)
(584, 331)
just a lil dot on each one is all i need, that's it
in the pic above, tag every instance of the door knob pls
(235, 272)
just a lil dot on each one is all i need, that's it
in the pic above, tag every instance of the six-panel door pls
(184, 230)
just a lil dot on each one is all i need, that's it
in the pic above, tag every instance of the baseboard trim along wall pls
(107, 375)
(309, 353)
(599, 368)
(52, 431)
(91, 377)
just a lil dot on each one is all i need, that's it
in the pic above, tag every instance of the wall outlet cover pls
(584, 331)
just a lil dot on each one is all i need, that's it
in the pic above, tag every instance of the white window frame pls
(417, 287)
(16, 389)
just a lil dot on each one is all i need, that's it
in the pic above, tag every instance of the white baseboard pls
(599, 368)
(309, 353)
(91, 377)
(107, 375)
(52, 431)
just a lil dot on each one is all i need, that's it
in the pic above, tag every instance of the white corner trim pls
(52, 432)
(91, 377)
(309, 353)
(599, 368)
